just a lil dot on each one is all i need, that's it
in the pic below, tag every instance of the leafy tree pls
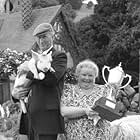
(76, 4)
(44, 3)
(112, 35)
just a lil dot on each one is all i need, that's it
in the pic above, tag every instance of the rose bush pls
(9, 61)
(9, 122)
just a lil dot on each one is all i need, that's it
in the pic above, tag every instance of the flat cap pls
(43, 28)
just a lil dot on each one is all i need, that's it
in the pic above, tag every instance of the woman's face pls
(44, 41)
(86, 78)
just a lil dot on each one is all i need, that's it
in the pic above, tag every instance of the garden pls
(110, 36)
(9, 111)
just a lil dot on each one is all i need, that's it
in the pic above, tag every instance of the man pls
(45, 119)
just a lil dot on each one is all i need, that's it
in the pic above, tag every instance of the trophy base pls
(107, 109)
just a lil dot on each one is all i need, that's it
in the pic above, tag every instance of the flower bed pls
(9, 61)
(9, 124)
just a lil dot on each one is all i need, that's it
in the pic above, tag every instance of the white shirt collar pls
(46, 51)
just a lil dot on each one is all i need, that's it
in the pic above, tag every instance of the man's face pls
(44, 41)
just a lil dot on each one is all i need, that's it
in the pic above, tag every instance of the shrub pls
(70, 77)
(76, 4)
(111, 35)
(44, 3)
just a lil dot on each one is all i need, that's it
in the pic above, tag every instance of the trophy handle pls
(130, 78)
(105, 67)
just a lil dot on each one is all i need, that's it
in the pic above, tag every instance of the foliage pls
(9, 61)
(112, 35)
(76, 4)
(70, 77)
(9, 124)
(69, 15)
(68, 11)
(44, 3)
(124, 44)
(62, 1)
(14, 108)
(65, 37)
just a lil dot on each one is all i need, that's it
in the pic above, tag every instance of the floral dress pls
(83, 128)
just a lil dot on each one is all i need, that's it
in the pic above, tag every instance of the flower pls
(70, 76)
(9, 123)
(9, 61)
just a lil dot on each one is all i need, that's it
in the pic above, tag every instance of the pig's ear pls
(35, 55)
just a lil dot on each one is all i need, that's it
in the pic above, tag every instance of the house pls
(2, 6)
(7, 6)
(14, 36)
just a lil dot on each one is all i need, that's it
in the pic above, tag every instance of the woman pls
(82, 122)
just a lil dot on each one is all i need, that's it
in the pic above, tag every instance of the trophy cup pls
(107, 107)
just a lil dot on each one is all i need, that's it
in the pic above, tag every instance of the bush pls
(44, 3)
(9, 124)
(9, 61)
(70, 77)
(62, 1)
(76, 4)
(111, 35)
(69, 12)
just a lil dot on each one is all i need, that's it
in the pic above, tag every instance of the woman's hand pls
(90, 112)
(93, 115)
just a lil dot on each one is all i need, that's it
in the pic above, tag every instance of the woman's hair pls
(87, 64)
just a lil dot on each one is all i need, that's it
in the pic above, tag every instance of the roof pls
(13, 35)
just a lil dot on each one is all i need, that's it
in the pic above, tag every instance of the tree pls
(112, 35)
(76, 4)
(44, 3)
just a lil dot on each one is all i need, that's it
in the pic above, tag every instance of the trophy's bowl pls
(107, 109)
(115, 78)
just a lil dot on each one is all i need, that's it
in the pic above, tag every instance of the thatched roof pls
(13, 35)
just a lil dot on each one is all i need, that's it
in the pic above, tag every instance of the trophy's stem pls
(111, 95)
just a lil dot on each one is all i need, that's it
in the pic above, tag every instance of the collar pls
(47, 51)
